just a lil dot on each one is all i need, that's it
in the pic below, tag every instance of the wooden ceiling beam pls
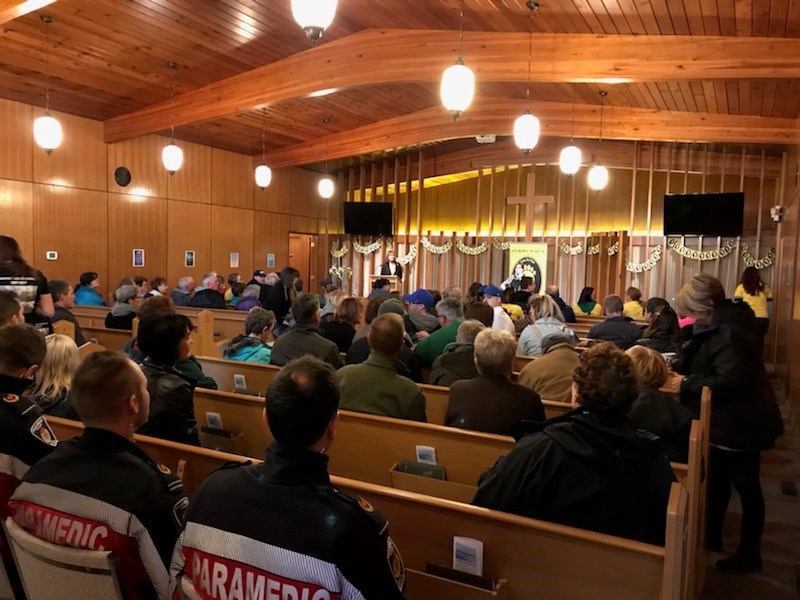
(496, 116)
(381, 56)
(14, 9)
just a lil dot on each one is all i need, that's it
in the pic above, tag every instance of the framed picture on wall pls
(188, 258)
(270, 261)
(234, 260)
(138, 257)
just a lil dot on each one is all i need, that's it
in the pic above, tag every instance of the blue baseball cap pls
(423, 297)
(492, 290)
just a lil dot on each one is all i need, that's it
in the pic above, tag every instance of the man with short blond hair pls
(492, 402)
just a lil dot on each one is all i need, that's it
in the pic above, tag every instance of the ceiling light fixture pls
(263, 172)
(527, 126)
(570, 159)
(325, 186)
(314, 16)
(598, 174)
(46, 129)
(458, 81)
(172, 155)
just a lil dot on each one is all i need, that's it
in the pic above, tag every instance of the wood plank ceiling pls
(109, 57)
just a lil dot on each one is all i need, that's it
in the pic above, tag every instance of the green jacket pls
(375, 387)
(433, 345)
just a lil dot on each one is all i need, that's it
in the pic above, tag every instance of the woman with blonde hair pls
(54, 376)
(334, 300)
(546, 318)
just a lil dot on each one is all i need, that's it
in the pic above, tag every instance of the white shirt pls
(501, 321)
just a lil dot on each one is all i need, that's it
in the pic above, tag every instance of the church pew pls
(88, 348)
(535, 558)
(64, 328)
(259, 376)
(697, 488)
(111, 339)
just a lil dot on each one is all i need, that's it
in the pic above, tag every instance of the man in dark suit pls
(617, 327)
(391, 266)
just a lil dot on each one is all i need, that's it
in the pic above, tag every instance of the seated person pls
(25, 437)
(160, 287)
(304, 338)
(334, 300)
(617, 328)
(663, 334)
(492, 295)
(407, 363)
(63, 302)
(11, 311)
(327, 308)
(164, 340)
(458, 359)
(633, 307)
(101, 489)
(374, 385)
(344, 550)
(209, 296)
(54, 377)
(492, 402)
(341, 327)
(419, 322)
(550, 375)
(182, 294)
(656, 411)
(249, 299)
(479, 311)
(86, 292)
(450, 314)
(236, 293)
(546, 318)
(588, 468)
(513, 309)
(123, 311)
(380, 288)
(370, 312)
(566, 310)
(520, 297)
(231, 280)
(256, 343)
(586, 305)
(143, 286)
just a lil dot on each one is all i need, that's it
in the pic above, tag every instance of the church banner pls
(527, 260)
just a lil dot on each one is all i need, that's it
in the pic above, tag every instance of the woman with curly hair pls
(588, 468)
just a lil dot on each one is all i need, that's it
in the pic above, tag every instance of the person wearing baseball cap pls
(419, 322)
(493, 296)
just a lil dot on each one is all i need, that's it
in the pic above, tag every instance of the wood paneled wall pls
(69, 202)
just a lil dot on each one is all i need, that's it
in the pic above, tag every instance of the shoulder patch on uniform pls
(366, 506)
(163, 468)
(41, 431)
(10, 398)
(396, 564)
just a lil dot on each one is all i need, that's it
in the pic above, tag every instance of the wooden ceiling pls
(109, 58)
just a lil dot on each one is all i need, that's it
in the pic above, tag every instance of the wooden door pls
(300, 258)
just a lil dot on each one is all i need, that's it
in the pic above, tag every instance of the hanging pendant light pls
(598, 174)
(527, 126)
(325, 186)
(458, 81)
(569, 161)
(263, 172)
(172, 155)
(47, 130)
(314, 16)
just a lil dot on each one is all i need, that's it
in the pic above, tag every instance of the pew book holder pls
(222, 440)
(429, 486)
(438, 584)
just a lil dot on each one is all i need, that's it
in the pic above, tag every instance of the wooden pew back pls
(64, 328)
(112, 339)
(536, 558)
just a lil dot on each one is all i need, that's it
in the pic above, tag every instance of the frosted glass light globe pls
(326, 187)
(526, 132)
(570, 160)
(598, 177)
(263, 176)
(314, 16)
(172, 157)
(457, 88)
(47, 132)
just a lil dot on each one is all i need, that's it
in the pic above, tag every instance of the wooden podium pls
(396, 284)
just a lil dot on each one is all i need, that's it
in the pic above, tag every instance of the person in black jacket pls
(64, 301)
(587, 468)
(123, 311)
(725, 354)
(391, 266)
(663, 334)
(281, 524)
(99, 491)
(280, 296)
(209, 296)
(164, 340)
(617, 328)
(566, 310)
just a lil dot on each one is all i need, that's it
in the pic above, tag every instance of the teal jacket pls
(247, 349)
(87, 296)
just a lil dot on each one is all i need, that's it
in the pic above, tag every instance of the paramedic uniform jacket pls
(279, 529)
(25, 437)
(99, 491)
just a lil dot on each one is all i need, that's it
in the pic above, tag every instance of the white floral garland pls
(593, 249)
(472, 250)
(411, 255)
(443, 249)
(655, 256)
(367, 249)
(705, 255)
(758, 263)
(501, 245)
(340, 272)
(614, 249)
(571, 250)
(339, 253)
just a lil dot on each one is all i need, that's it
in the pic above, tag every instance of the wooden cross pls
(529, 200)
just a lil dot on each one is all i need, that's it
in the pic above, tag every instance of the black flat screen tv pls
(368, 218)
(704, 214)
